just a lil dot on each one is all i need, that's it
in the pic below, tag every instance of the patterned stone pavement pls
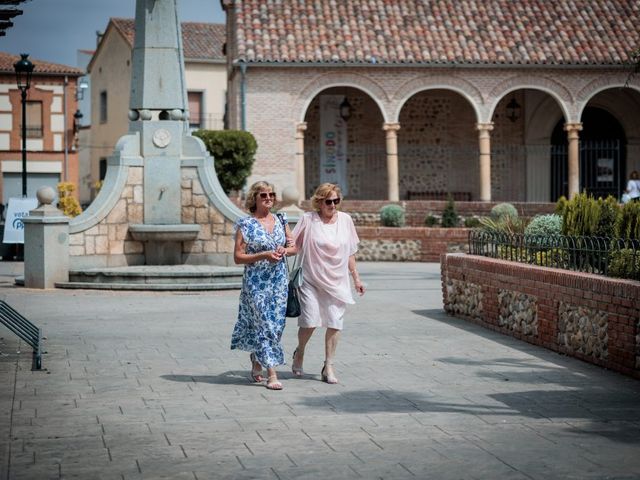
(143, 385)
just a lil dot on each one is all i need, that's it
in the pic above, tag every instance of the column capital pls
(301, 127)
(484, 127)
(572, 127)
(390, 127)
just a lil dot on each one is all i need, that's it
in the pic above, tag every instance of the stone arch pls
(599, 85)
(464, 88)
(520, 82)
(360, 82)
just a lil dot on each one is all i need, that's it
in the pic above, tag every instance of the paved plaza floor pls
(143, 385)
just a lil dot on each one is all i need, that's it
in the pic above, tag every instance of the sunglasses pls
(329, 201)
(270, 195)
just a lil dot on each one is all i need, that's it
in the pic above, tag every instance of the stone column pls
(573, 167)
(300, 129)
(484, 130)
(46, 243)
(393, 193)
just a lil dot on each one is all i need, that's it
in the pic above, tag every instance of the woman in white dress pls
(327, 241)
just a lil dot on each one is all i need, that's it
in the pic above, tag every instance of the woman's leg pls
(304, 334)
(330, 344)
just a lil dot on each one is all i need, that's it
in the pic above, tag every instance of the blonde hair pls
(254, 190)
(322, 192)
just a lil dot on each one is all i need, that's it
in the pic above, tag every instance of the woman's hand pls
(274, 256)
(359, 287)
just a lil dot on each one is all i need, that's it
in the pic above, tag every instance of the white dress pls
(325, 249)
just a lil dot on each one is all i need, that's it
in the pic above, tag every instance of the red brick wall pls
(434, 241)
(619, 299)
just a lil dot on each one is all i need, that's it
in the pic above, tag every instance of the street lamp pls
(24, 69)
(345, 109)
(513, 110)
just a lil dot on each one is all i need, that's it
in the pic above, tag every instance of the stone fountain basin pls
(164, 233)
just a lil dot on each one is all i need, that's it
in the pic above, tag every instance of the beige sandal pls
(330, 379)
(273, 384)
(298, 372)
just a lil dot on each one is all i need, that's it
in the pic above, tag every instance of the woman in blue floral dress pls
(260, 245)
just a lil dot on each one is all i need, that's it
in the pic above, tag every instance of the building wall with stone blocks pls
(437, 110)
(590, 317)
(109, 242)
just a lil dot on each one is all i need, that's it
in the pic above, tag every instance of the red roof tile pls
(40, 67)
(200, 41)
(537, 32)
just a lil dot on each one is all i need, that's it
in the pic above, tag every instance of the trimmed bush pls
(431, 221)
(392, 216)
(624, 264)
(548, 225)
(503, 210)
(472, 222)
(233, 152)
(581, 216)
(450, 218)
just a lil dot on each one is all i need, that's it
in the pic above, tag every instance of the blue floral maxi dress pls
(263, 299)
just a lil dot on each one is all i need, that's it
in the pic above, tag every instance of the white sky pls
(54, 30)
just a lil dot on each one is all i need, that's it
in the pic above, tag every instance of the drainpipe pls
(64, 121)
(243, 96)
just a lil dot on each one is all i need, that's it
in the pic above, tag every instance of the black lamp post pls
(24, 69)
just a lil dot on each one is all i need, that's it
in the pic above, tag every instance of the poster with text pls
(333, 142)
(13, 226)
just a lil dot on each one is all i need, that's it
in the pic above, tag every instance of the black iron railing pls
(606, 256)
(24, 329)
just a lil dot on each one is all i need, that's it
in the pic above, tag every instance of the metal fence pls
(605, 256)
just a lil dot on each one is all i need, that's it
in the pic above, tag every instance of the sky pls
(54, 30)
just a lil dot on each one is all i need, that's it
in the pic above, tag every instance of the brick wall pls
(590, 317)
(417, 210)
(409, 244)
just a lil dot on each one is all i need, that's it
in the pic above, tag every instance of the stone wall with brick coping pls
(590, 317)
(109, 242)
(409, 244)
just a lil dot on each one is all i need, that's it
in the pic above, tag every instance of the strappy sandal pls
(256, 375)
(273, 384)
(330, 379)
(297, 372)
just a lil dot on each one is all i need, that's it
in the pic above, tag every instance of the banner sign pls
(18, 209)
(333, 142)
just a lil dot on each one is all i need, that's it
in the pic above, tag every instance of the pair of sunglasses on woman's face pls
(330, 201)
(265, 195)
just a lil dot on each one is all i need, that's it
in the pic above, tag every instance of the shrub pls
(509, 225)
(233, 152)
(431, 221)
(392, 216)
(628, 221)
(450, 217)
(472, 222)
(561, 206)
(547, 225)
(609, 211)
(503, 210)
(581, 216)
(624, 264)
(66, 201)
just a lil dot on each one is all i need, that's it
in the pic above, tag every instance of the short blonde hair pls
(322, 192)
(250, 201)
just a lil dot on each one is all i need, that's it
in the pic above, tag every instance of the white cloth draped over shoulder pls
(325, 251)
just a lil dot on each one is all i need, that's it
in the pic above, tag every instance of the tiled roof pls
(600, 32)
(40, 67)
(201, 41)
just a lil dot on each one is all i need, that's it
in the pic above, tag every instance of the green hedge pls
(233, 151)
